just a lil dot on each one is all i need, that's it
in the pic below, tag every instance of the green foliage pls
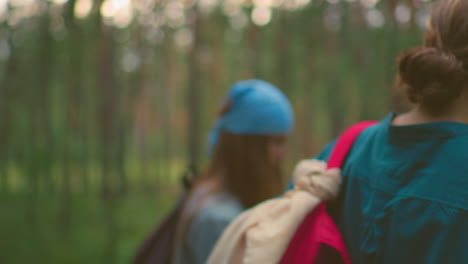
(48, 242)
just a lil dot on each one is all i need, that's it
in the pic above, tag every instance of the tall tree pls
(194, 92)
(108, 98)
(7, 88)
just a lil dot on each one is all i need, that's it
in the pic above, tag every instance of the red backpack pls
(318, 240)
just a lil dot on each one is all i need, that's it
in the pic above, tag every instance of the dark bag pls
(157, 248)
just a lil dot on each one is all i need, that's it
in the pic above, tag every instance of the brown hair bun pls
(431, 77)
(435, 75)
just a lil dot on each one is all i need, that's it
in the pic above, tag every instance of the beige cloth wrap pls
(261, 235)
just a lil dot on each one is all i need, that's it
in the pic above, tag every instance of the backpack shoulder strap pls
(345, 142)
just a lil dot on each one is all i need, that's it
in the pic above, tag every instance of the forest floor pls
(87, 229)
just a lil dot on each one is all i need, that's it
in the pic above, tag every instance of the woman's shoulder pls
(219, 207)
(217, 211)
(365, 135)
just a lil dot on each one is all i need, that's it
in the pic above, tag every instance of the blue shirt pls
(404, 196)
(207, 227)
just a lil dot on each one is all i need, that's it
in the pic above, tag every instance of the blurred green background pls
(104, 104)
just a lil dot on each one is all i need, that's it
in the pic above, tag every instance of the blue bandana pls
(257, 108)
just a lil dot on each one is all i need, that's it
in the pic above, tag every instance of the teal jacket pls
(404, 197)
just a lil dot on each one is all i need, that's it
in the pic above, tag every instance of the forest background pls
(104, 104)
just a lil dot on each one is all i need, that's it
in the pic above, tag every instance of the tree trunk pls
(194, 94)
(108, 103)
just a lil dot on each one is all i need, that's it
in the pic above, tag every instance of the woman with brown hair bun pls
(247, 146)
(404, 197)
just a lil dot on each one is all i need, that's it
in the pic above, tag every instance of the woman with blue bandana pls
(247, 146)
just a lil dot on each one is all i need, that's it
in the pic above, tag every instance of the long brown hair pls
(242, 165)
(435, 75)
